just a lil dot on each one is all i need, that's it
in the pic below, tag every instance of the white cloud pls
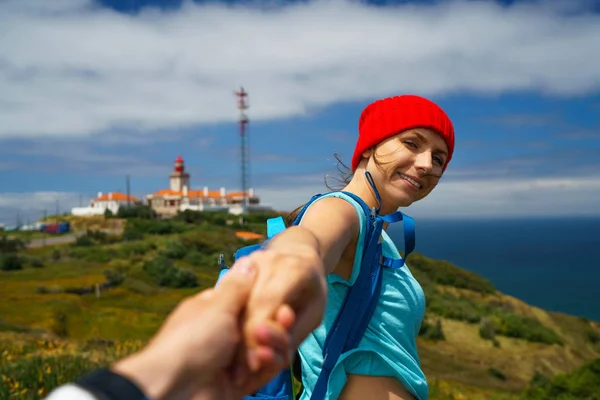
(475, 198)
(500, 198)
(41, 200)
(31, 206)
(69, 68)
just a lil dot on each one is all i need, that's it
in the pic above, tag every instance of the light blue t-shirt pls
(388, 347)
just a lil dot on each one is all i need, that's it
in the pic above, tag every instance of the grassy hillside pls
(494, 340)
(67, 309)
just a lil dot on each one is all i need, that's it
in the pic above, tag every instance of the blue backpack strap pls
(369, 213)
(274, 226)
(373, 287)
(409, 229)
(407, 221)
(303, 210)
(354, 307)
(409, 232)
(409, 239)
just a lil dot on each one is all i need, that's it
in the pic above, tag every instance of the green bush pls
(539, 380)
(137, 248)
(192, 217)
(137, 228)
(131, 233)
(214, 241)
(10, 262)
(444, 273)
(102, 237)
(166, 274)
(36, 262)
(504, 323)
(197, 259)
(593, 336)
(94, 253)
(496, 373)
(56, 255)
(11, 245)
(487, 329)
(114, 277)
(581, 384)
(459, 308)
(220, 221)
(174, 250)
(91, 238)
(527, 328)
(137, 212)
(83, 241)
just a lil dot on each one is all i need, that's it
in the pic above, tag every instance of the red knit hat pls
(388, 117)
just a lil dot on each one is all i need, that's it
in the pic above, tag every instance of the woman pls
(405, 143)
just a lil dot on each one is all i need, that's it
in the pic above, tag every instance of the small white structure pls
(31, 227)
(110, 201)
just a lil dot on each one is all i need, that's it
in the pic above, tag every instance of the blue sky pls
(93, 91)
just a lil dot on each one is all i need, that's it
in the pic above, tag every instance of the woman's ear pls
(367, 153)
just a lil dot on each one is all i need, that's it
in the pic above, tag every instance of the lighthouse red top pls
(179, 164)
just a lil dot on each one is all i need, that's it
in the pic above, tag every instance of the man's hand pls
(191, 355)
(290, 280)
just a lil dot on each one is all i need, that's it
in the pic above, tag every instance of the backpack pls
(362, 297)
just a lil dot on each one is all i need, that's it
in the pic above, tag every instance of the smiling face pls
(406, 167)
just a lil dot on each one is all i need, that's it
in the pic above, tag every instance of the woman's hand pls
(291, 273)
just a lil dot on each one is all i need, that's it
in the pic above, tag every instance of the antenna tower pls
(243, 122)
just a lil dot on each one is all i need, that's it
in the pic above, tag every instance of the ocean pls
(550, 263)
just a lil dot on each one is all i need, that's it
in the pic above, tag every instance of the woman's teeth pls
(410, 180)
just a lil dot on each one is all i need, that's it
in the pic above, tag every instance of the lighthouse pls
(179, 179)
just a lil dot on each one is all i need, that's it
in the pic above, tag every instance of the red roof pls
(191, 193)
(196, 193)
(116, 196)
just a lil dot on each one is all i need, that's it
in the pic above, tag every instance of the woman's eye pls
(438, 160)
(411, 144)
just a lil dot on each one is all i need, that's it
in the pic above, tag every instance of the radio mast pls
(243, 123)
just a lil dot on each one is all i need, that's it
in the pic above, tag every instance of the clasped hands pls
(230, 340)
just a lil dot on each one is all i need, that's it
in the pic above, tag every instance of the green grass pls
(461, 361)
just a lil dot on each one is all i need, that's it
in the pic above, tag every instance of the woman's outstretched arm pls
(292, 271)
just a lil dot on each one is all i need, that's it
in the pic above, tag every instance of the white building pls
(179, 196)
(110, 201)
